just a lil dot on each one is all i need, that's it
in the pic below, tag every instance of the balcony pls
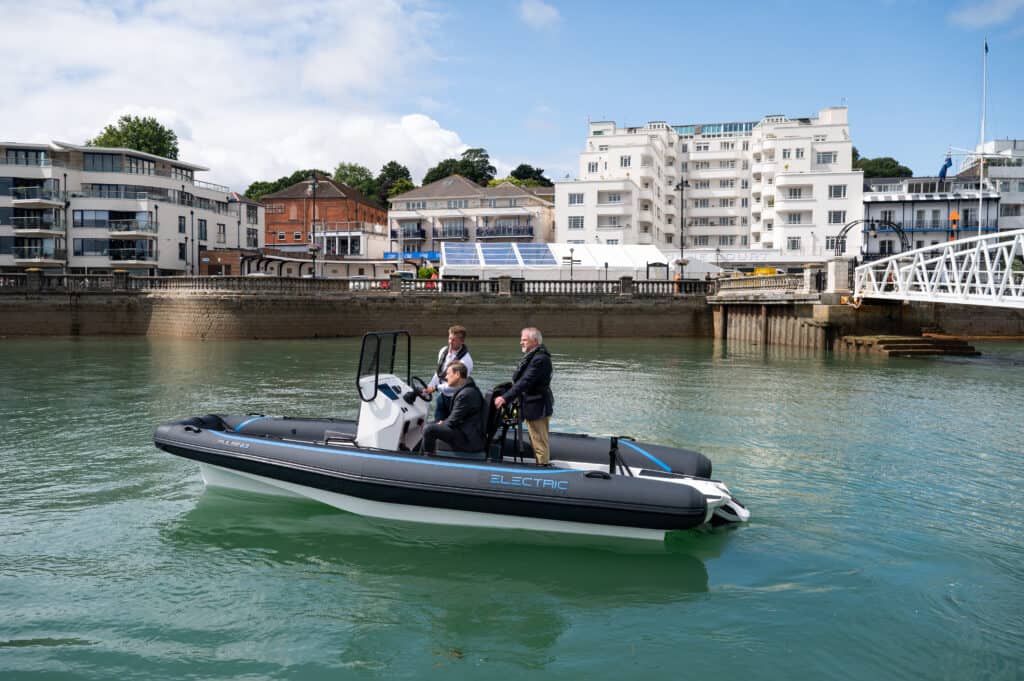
(36, 226)
(410, 234)
(609, 225)
(132, 256)
(39, 255)
(450, 233)
(37, 197)
(509, 232)
(136, 229)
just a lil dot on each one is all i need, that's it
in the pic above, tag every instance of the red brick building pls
(343, 218)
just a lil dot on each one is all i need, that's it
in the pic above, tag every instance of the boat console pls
(389, 420)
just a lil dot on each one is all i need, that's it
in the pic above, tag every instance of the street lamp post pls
(314, 183)
(683, 184)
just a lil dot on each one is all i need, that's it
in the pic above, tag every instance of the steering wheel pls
(419, 388)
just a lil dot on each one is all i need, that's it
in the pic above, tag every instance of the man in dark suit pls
(532, 382)
(463, 429)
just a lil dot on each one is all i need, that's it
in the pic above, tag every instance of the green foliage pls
(426, 272)
(474, 165)
(257, 190)
(512, 180)
(401, 186)
(392, 172)
(883, 166)
(528, 173)
(358, 177)
(142, 134)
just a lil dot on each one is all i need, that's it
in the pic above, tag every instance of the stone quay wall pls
(218, 315)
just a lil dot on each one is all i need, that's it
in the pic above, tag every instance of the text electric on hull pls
(596, 486)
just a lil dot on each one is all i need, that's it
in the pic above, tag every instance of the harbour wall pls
(212, 315)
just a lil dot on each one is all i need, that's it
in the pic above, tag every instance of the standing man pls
(532, 381)
(455, 351)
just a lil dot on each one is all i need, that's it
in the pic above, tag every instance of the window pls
(793, 218)
(702, 165)
(744, 203)
(799, 151)
(744, 184)
(415, 205)
(612, 242)
(701, 240)
(252, 238)
(603, 147)
(837, 191)
(181, 251)
(727, 184)
(91, 246)
(297, 236)
(701, 203)
(682, 147)
(727, 164)
(458, 203)
(826, 157)
(836, 217)
(769, 244)
(202, 229)
(702, 184)
(181, 224)
(280, 236)
(110, 163)
(1010, 210)
(592, 167)
(613, 198)
(795, 193)
(575, 222)
(885, 247)
(140, 166)
(575, 199)
(786, 153)
(793, 243)
(1004, 185)
(727, 146)
(744, 241)
(724, 221)
(819, 138)
(830, 244)
(222, 233)
(726, 240)
(726, 203)
(701, 146)
(625, 161)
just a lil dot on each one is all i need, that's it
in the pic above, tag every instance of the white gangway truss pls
(983, 270)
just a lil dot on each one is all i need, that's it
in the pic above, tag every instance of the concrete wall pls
(226, 316)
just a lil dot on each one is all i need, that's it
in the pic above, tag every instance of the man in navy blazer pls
(532, 382)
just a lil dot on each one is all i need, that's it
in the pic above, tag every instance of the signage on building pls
(413, 255)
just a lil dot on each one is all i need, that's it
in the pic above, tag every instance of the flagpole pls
(981, 159)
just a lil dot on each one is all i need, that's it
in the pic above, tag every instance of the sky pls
(257, 89)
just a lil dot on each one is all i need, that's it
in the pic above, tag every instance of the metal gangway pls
(982, 270)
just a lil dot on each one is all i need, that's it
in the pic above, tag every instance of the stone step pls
(909, 346)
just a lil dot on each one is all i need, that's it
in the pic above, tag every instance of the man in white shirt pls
(456, 350)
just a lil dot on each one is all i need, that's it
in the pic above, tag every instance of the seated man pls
(462, 430)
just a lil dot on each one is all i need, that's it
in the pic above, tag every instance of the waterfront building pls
(781, 185)
(1004, 173)
(625, 192)
(346, 222)
(923, 210)
(80, 209)
(455, 209)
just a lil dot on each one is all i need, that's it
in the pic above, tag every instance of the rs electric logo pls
(526, 481)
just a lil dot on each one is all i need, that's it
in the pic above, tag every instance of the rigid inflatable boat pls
(610, 486)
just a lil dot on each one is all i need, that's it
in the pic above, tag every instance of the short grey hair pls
(534, 333)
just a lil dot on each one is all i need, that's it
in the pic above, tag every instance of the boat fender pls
(599, 474)
(192, 429)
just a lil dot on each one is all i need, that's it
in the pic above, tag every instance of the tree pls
(142, 134)
(526, 172)
(257, 190)
(358, 177)
(449, 166)
(512, 180)
(392, 172)
(883, 166)
(476, 165)
(401, 186)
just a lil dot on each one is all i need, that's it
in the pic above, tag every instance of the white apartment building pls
(79, 209)
(906, 213)
(457, 209)
(783, 186)
(1004, 173)
(626, 188)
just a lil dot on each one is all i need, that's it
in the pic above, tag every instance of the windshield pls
(382, 353)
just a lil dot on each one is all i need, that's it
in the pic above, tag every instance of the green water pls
(886, 541)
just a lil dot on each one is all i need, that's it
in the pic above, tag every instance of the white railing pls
(983, 270)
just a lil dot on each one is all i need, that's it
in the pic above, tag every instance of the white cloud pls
(253, 93)
(988, 13)
(538, 14)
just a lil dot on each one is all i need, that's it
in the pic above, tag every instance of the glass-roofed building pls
(489, 260)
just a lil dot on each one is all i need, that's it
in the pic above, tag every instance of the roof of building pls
(326, 189)
(458, 187)
(125, 150)
(242, 198)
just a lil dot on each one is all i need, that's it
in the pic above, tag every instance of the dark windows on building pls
(110, 163)
(202, 229)
(181, 224)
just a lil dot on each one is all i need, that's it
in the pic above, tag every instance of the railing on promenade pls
(121, 281)
(781, 282)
